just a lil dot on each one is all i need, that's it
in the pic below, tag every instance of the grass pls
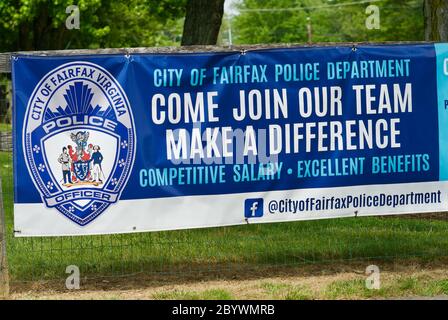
(5, 127)
(402, 283)
(195, 252)
(213, 294)
(285, 291)
(400, 287)
(392, 286)
(349, 288)
(408, 286)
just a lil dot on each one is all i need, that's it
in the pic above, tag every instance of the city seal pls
(79, 140)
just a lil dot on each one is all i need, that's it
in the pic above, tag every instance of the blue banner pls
(166, 141)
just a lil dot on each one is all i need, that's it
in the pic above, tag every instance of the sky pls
(228, 4)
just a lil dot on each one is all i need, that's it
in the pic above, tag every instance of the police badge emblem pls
(79, 140)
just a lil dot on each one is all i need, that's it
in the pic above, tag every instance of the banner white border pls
(189, 212)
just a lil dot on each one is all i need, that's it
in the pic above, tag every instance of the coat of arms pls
(81, 164)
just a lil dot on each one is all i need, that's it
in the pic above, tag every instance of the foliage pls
(4, 127)
(331, 21)
(40, 24)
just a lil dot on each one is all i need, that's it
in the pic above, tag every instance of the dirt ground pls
(402, 280)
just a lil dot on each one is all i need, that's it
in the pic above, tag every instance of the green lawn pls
(403, 286)
(203, 250)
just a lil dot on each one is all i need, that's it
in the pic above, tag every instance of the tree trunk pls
(202, 22)
(436, 20)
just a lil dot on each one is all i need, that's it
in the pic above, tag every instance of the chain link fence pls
(6, 141)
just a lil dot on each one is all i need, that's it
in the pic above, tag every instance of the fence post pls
(4, 275)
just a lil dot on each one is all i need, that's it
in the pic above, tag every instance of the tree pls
(335, 21)
(436, 20)
(40, 24)
(202, 22)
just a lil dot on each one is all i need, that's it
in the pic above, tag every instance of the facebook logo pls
(253, 208)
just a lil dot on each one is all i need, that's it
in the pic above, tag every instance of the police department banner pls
(146, 142)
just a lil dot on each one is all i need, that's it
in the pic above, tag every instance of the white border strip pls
(188, 212)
